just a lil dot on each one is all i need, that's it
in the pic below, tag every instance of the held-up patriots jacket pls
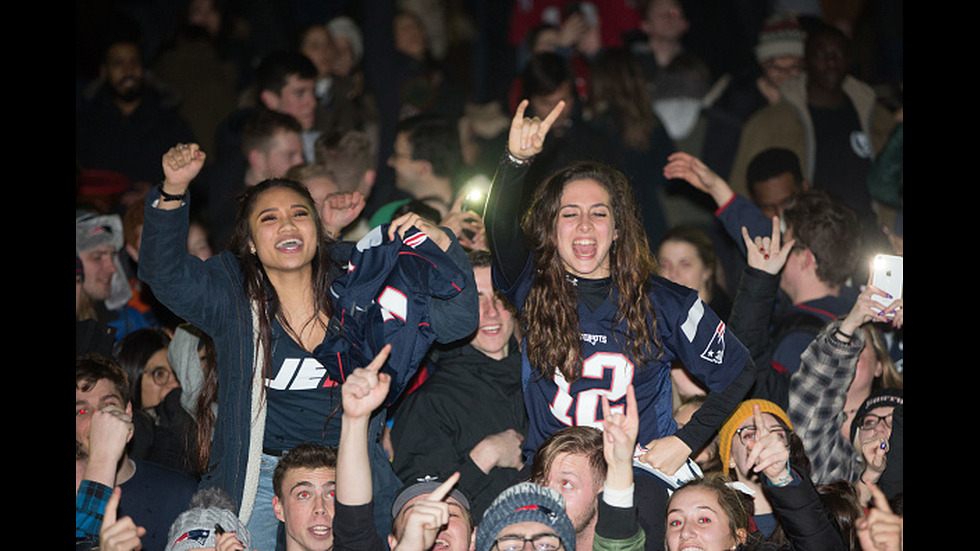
(384, 297)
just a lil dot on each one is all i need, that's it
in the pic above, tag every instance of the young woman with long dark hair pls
(596, 316)
(267, 304)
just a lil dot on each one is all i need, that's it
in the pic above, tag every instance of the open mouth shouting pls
(291, 245)
(584, 249)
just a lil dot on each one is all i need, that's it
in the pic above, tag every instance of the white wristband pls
(618, 498)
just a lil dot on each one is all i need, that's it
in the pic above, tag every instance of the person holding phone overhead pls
(842, 368)
(267, 303)
(597, 316)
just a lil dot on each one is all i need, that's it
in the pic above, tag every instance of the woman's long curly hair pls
(551, 309)
(258, 288)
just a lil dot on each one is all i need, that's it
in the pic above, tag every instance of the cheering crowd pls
(379, 275)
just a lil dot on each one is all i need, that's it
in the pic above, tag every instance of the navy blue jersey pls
(384, 298)
(688, 330)
(301, 397)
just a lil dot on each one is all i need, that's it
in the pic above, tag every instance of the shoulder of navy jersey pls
(384, 298)
(696, 334)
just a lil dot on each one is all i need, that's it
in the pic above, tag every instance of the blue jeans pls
(263, 524)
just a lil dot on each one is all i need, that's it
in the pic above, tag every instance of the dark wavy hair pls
(258, 288)
(551, 308)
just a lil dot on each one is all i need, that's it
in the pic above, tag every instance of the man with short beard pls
(571, 461)
(125, 119)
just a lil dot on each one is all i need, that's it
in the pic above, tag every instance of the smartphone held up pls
(887, 275)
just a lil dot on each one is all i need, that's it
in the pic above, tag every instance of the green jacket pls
(618, 529)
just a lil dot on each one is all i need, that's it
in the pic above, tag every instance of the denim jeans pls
(263, 524)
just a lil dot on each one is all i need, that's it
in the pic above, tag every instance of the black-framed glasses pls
(161, 375)
(870, 421)
(540, 542)
(748, 434)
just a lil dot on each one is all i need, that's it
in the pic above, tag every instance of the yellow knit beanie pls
(741, 413)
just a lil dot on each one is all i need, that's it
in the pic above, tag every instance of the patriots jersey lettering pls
(300, 374)
(593, 339)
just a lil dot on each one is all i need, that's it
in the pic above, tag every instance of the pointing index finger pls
(761, 430)
(443, 490)
(109, 517)
(380, 359)
(879, 498)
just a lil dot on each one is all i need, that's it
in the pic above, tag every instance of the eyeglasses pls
(748, 434)
(540, 542)
(871, 421)
(161, 375)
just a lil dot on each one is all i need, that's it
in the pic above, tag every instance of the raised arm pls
(181, 164)
(426, 519)
(466, 224)
(618, 527)
(180, 280)
(734, 211)
(753, 306)
(363, 392)
(881, 529)
(339, 210)
(769, 456)
(119, 534)
(818, 390)
(526, 136)
(683, 166)
(619, 430)
(504, 238)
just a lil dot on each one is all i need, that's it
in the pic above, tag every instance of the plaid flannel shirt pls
(817, 393)
(90, 502)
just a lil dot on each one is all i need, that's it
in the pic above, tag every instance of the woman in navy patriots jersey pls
(596, 316)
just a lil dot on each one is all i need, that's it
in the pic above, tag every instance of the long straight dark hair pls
(551, 309)
(258, 287)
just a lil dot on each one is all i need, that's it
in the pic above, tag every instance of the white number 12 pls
(586, 403)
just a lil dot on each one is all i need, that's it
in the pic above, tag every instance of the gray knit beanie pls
(525, 502)
(210, 510)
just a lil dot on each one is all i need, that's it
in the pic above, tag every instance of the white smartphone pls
(887, 275)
